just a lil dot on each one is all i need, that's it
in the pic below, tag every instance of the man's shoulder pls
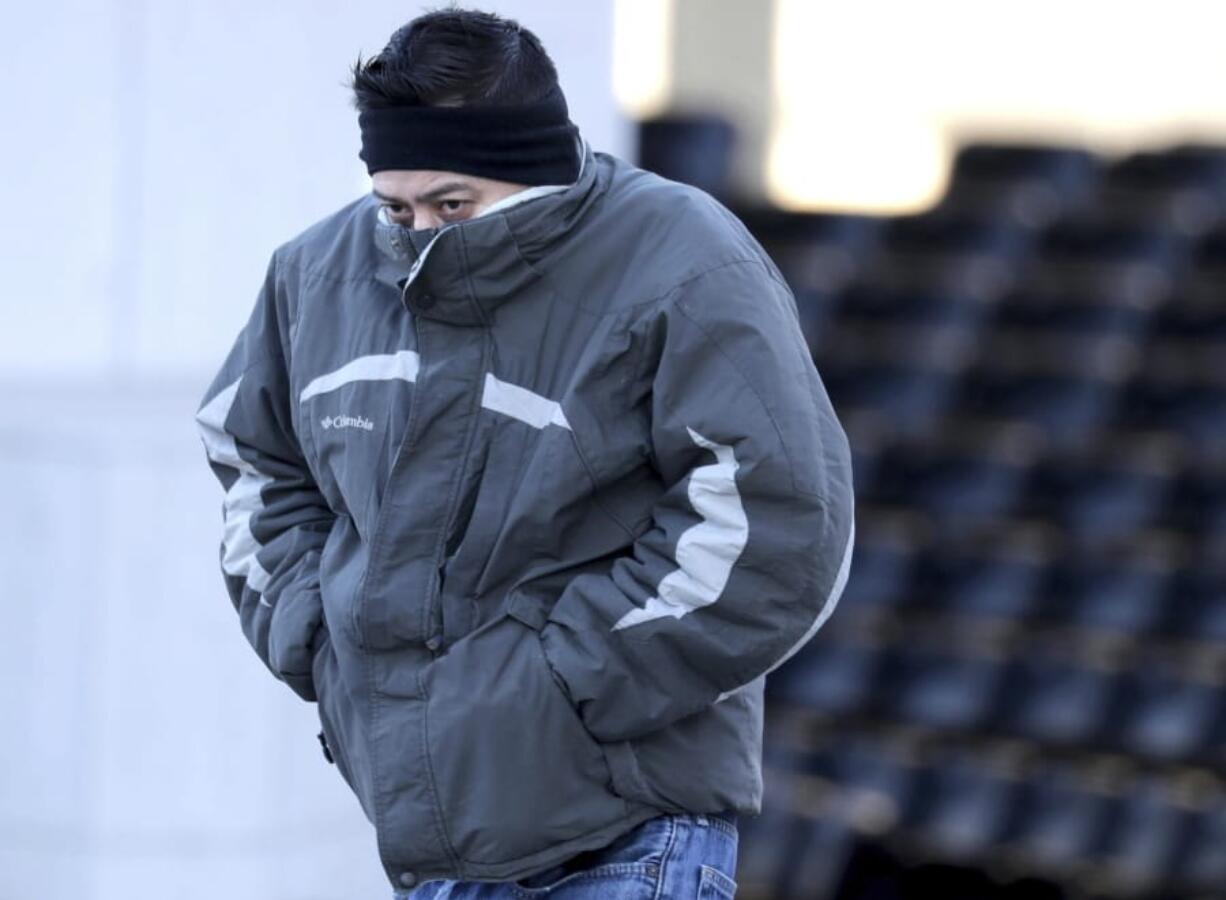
(339, 242)
(638, 195)
(669, 232)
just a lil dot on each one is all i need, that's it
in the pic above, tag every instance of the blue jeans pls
(670, 857)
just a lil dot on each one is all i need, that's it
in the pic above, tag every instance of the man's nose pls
(423, 219)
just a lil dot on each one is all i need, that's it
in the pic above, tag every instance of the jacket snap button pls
(425, 301)
(435, 641)
(408, 879)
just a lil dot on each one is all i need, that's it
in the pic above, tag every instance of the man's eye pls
(398, 213)
(451, 207)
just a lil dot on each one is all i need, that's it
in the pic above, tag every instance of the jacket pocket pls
(514, 769)
(335, 742)
(293, 630)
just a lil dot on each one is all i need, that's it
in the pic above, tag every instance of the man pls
(530, 480)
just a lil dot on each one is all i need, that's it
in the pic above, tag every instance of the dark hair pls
(455, 57)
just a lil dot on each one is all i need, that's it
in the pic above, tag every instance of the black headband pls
(532, 144)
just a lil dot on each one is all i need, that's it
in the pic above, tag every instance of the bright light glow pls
(642, 55)
(873, 97)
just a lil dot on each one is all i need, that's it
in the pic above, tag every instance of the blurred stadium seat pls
(1023, 692)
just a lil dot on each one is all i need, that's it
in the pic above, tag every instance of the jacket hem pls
(524, 866)
(627, 777)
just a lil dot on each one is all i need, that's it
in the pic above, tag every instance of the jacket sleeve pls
(274, 518)
(749, 545)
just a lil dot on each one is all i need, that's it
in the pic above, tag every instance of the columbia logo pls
(347, 422)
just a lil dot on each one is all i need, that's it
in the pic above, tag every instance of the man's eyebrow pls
(429, 195)
(386, 198)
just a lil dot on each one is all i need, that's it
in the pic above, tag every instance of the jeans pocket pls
(715, 885)
(513, 767)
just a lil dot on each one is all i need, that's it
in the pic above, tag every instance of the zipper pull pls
(435, 618)
(323, 742)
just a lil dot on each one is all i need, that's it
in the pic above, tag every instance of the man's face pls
(425, 198)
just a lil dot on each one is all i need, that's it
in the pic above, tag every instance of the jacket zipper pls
(362, 592)
(432, 611)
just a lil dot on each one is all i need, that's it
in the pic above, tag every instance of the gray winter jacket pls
(530, 504)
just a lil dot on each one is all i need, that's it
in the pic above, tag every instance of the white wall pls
(155, 154)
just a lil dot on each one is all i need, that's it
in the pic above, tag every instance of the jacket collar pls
(461, 273)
